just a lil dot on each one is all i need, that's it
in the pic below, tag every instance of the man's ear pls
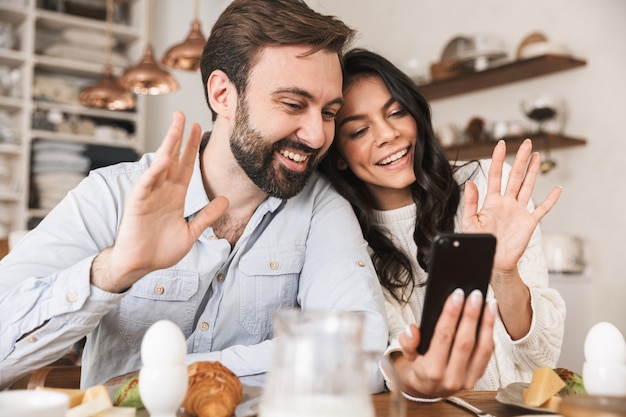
(221, 94)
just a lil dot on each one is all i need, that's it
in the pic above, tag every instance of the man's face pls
(285, 122)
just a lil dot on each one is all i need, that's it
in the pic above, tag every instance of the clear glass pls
(319, 367)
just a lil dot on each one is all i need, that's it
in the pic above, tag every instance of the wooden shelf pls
(484, 149)
(503, 74)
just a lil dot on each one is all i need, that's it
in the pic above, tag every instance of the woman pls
(386, 161)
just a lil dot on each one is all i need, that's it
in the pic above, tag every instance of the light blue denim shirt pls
(305, 252)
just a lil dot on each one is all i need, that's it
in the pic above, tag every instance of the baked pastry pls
(213, 390)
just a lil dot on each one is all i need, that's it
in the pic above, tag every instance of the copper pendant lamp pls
(147, 77)
(186, 55)
(106, 93)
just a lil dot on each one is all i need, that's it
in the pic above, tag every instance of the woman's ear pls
(220, 94)
(341, 164)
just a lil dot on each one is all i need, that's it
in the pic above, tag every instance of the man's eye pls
(291, 105)
(329, 114)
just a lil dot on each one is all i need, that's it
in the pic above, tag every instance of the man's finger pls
(209, 215)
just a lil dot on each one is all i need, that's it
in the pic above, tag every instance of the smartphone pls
(458, 260)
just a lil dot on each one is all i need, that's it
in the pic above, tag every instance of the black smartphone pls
(458, 260)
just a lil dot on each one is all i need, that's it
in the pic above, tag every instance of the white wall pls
(592, 176)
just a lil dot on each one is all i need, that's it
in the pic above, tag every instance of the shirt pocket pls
(160, 295)
(269, 282)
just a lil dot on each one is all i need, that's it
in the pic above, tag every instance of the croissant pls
(213, 390)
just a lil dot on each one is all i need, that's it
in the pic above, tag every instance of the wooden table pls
(484, 400)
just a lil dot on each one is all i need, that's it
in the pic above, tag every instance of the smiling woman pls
(387, 162)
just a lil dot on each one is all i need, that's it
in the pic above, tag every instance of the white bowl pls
(33, 403)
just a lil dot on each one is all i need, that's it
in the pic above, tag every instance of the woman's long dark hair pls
(435, 191)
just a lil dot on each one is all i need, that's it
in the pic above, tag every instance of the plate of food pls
(512, 394)
(545, 391)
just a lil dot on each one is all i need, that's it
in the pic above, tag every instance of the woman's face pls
(376, 138)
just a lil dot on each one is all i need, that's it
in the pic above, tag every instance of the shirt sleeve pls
(338, 273)
(542, 344)
(46, 294)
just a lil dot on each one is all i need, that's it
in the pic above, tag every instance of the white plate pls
(512, 395)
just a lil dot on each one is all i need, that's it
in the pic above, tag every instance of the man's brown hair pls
(246, 26)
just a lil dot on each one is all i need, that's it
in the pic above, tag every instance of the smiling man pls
(215, 235)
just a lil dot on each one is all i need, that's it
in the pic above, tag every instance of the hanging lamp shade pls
(106, 93)
(147, 77)
(186, 55)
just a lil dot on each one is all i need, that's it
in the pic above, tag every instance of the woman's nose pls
(385, 133)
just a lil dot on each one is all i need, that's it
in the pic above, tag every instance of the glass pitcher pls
(320, 369)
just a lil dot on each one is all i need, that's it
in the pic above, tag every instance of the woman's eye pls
(358, 133)
(398, 113)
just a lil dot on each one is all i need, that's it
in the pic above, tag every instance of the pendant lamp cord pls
(109, 34)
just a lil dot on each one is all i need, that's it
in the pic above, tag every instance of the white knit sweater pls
(512, 360)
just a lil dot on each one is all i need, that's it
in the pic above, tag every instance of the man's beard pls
(257, 158)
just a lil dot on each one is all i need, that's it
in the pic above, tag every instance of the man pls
(215, 240)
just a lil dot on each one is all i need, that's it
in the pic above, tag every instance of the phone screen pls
(458, 260)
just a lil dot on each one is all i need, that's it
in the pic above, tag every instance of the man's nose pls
(312, 131)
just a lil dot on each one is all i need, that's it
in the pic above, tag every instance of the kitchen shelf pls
(500, 75)
(130, 116)
(11, 57)
(90, 140)
(484, 149)
(10, 103)
(49, 83)
(10, 149)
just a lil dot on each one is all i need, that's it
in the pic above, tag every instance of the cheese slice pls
(76, 395)
(545, 384)
(118, 412)
(94, 392)
(552, 403)
(89, 408)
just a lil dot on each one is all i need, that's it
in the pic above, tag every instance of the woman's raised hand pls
(505, 214)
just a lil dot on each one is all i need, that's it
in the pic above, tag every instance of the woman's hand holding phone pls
(458, 355)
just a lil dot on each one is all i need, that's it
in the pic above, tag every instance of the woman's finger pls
(409, 340)
(465, 338)
(528, 185)
(518, 171)
(494, 177)
(470, 204)
(547, 204)
(484, 345)
(445, 330)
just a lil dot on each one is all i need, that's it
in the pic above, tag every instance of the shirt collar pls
(197, 198)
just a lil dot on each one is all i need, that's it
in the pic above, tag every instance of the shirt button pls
(274, 265)
(72, 296)
(221, 277)
(204, 326)
(159, 289)
(32, 339)
(213, 237)
(360, 263)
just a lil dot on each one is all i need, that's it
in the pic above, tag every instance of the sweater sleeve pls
(542, 344)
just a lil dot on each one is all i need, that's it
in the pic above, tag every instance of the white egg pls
(164, 345)
(605, 344)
